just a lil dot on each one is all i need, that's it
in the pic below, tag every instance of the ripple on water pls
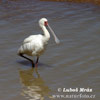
(72, 63)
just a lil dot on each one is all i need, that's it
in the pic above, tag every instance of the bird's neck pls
(45, 32)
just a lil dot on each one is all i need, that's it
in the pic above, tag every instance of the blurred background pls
(73, 63)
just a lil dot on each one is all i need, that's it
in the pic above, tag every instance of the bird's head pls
(43, 22)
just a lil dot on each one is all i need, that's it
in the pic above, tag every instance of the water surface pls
(73, 63)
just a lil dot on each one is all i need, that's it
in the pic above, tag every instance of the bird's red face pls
(46, 23)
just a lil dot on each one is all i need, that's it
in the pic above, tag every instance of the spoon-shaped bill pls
(55, 37)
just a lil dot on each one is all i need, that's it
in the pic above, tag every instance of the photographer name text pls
(75, 90)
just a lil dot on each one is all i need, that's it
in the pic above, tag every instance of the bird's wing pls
(32, 37)
(29, 39)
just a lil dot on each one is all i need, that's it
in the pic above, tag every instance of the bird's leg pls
(27, 59)
(36, 64)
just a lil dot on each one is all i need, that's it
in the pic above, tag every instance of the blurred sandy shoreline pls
(77, 1)
(97, 2)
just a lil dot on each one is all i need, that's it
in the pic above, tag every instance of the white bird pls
(35, 45)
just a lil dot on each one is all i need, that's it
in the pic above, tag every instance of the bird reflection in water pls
(33, 86)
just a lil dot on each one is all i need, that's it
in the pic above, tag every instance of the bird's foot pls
(36, 65)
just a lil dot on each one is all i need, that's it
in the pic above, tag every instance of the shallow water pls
(73, 63)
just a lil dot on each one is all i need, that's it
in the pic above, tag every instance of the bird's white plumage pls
(35, 45)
